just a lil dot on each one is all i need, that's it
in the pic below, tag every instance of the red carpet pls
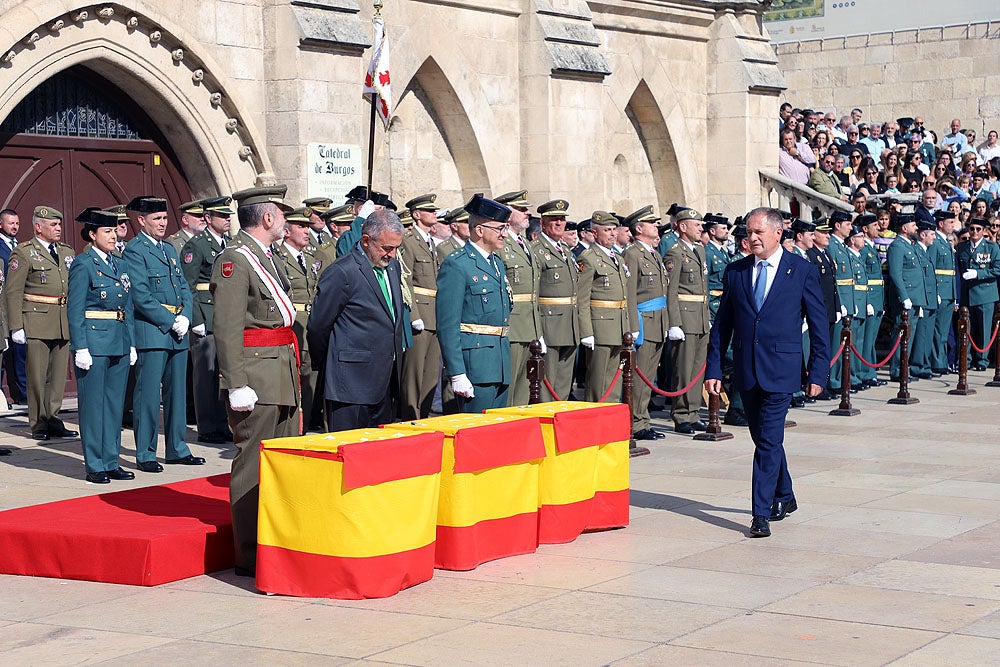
(141, 537)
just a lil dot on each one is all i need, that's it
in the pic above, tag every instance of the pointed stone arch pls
(158, 65)
(647, 119)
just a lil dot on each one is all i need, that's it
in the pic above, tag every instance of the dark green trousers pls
(101, 400)
(156, 369)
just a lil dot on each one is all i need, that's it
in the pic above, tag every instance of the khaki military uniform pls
(446, 247)
(178, 239)
(557, 298)
(37, 287)
(244, 304)
(648, 277)
(606, 302)
(303, 290)
(422, 361)
(523, 273)
(197, 259)
(687, 308)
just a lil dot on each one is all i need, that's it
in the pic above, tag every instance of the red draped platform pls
(141, 537)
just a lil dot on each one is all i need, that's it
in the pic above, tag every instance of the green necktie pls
(384, 284)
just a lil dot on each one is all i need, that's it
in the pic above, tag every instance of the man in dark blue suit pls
(13, 360)
(765, 301)
(356, 327)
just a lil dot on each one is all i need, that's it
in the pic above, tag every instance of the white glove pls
(939, 299)
(855, 311)
(242, 399)
(83, 360)
(635, 336)
(805, 326)
(968, 275)
(6, 345)
(133, 356)
(180, 326)
(871, 310)
(675, 333)
(838, 317)
(843, 311)
(907, 304)
(541, 339)
(366, 209)
(418, 325)
(587, 342)
(19, 337)
(920, 312)
(200, 329)
(462, 387)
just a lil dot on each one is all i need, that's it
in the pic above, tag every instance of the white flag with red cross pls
(377, 81)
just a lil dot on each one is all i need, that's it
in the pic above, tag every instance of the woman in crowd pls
(911, 168)
(890, 165)
(968, 164)
(945, 158)
(100, 317)
(820, 143)
(980, 209)
(870, 184)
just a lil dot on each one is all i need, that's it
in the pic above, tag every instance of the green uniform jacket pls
(873, 270)
(94, 286)
(303, 287)
(157, 280)
(178, 239)
(718, 260)
(601, 280)
(687, 277)
(667, 241)
(985, 259)
(422, 264)
(558, 280)
(523, 276)
(32, 270)
(860, 283)
(648, 277)
(350, 238)
(197, 258)
(844, 272)
(244, 302)
(472, 293)
(927, 269)
(905, 275)
(942, 256)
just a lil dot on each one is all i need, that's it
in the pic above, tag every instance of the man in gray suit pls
(356, 326)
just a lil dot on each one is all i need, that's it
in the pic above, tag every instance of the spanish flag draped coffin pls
(584, 482)
(348, 515)
(489, 486)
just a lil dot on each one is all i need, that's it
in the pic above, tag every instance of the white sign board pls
(801, 20)
(332, 170)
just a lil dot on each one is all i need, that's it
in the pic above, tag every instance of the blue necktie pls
(760, 285)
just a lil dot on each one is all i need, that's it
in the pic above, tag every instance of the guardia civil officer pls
(876, 297)
(161, 300)
(906, 281)
(198, 257)
(978, 262)
(606, 302)
(923, 339)
(473, 311)
(648, 277)
(943, 257)
(101, 339)
(523, 275)
(37, 283)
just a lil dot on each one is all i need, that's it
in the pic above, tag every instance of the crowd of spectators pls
(852, 160)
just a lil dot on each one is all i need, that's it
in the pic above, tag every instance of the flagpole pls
(371, 122)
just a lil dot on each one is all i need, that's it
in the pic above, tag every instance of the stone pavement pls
(892, 558)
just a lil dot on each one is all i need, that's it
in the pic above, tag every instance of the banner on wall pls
(800, 20)
(332, 169)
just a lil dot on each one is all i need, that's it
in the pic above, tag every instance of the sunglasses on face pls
(855, 156)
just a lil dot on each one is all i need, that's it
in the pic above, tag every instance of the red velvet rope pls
(672, 394)
(614, 381)
(881, 363)
(552, 391)
(988, 345)
(836, 355)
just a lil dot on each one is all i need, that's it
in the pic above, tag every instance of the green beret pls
(48, 213)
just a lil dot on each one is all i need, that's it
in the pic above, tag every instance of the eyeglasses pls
(871, 172)
(499, 229)
(853, 132)
(855, 156)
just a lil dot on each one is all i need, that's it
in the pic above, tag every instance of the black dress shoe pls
(855, 388)
(780, 509)
(941, 371)
(759, 527)
(656, 434)
(63, 433)
(186, 461)
(825, 395)
(214, 438)
(244, 572)
(98, 478)
(149, 466)
(798, 401)
(120, 474)
(684, 429)
(735, 418)
(809, 399)
(39, 435)
(645, 434)
(920, 376)
(699, 426)
(982, 367)
(878, 382)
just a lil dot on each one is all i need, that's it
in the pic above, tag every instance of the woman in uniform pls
(101, 339)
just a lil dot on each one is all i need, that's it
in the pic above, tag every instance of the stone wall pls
(937, 73)
(610, 104)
